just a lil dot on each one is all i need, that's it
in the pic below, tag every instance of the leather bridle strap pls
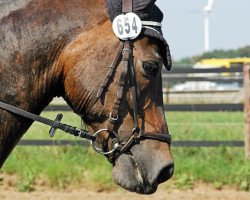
(114, 115)
(127, 6)
(156, 136)
(137, 138)
(110, 72)
(105, 82)
(133, 92)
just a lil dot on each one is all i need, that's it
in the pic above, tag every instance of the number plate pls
(127, 26)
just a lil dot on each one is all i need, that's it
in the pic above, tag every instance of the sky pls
(183, 25)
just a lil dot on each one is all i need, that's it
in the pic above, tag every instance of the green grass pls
(206, 125)
(58, 166)
(219, 166)
(73, 166)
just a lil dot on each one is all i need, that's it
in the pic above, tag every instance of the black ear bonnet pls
(147, 11)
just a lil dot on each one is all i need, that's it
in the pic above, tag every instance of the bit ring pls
(97, 149)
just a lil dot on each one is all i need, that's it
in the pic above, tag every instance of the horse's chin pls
(127, 174)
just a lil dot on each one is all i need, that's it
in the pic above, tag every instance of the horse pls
(63, 48)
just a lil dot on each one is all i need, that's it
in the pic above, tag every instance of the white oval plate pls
(127, 26)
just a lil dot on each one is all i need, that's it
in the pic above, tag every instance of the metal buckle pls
(136, 133)
(113, 119)
(127, 49)
(116, 145)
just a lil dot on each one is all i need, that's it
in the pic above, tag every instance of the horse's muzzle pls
(144, 168)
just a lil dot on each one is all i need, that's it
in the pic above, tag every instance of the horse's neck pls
(31, 40)
(43, 22)
(34, 37)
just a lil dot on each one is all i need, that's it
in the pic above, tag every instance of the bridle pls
(127, 75)
(125, 55)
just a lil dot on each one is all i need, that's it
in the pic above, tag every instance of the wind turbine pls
(207, 10)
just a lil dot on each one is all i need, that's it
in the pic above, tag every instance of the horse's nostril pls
(166, 173)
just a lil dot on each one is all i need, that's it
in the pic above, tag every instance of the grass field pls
(73, 166)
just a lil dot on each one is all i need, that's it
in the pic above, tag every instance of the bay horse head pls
(85, 65)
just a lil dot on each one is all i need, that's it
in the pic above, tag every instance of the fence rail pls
(204, 107)
(180, 70)
(238, 80)
(200, 91)
(175, 107)
(174, 143)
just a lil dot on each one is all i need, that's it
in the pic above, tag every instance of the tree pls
(241, 52)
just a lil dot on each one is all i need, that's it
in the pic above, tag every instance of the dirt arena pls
(199, 193)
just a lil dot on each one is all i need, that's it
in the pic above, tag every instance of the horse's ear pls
(142, 5)
(163, 45)
(166, 56)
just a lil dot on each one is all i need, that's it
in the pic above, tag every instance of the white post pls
(207, 10)
(206, 32)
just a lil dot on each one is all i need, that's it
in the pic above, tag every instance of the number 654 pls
(126, 26)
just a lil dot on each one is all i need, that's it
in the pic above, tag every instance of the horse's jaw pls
(144, 170)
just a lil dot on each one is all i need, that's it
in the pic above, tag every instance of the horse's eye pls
(150, 68)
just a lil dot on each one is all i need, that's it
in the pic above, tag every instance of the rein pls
(125, 55)
(54, 124)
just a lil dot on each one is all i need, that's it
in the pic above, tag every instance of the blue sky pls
(183, 28)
